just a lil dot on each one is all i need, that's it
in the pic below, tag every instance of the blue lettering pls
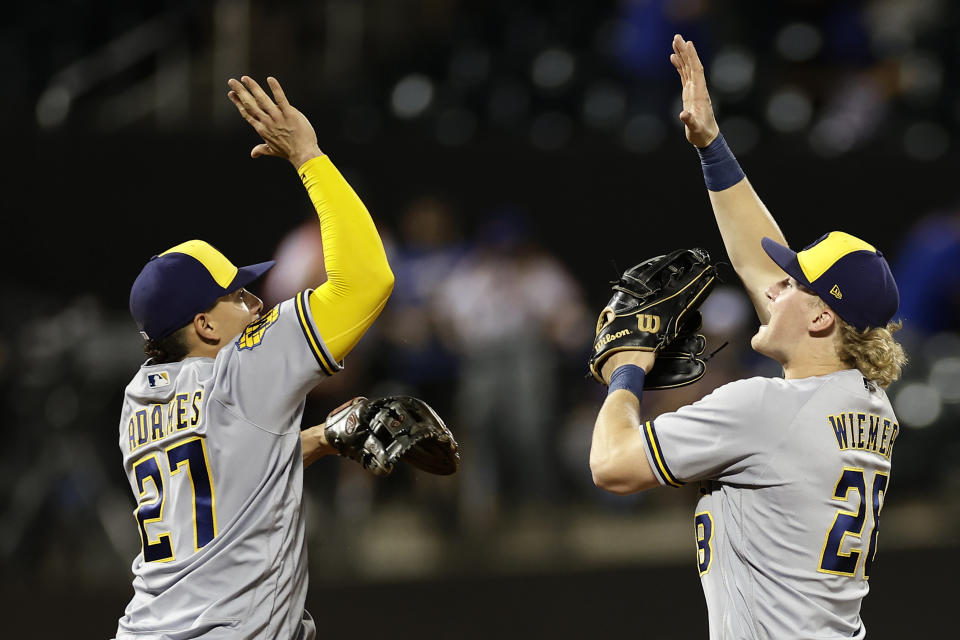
(883, 438)
(893, 438)
(874, 429)
(156, 422)
(197, 397)
(141, 427)
(182, 398)
(839, 425)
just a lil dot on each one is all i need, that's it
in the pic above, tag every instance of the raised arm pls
(359, 279)
(618, 461)
(741, 216)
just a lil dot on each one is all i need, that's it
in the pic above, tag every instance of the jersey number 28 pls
(192, 455)
(849, 523)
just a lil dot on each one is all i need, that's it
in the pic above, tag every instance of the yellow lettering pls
(196, 404)
(181, 411)
(839, 425)
(156, 422)
(133, 439)
(874, 429)
(880, 432)
(141, 427)
(893, 438)
(648, 323)
(610, 337)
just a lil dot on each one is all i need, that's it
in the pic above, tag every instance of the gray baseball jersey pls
(212, 451)
(793, 477)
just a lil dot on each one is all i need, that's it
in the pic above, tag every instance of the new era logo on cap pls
(847, 273)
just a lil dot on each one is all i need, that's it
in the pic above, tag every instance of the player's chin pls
(758, 341)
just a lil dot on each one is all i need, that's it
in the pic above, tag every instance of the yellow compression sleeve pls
(359, 279)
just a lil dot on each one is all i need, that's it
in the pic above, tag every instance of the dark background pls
(120, 142)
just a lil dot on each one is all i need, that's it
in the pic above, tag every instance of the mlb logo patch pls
(161, 379)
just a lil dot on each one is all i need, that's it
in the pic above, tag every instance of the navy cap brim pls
(786, 259)
(246, 275)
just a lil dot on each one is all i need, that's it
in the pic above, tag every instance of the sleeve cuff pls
(310, 333)
(311, 170)
(655, 457)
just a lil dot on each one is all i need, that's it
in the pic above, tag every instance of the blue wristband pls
(720, 168)
(629, 377)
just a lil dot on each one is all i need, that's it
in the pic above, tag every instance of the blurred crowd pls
(832, 76)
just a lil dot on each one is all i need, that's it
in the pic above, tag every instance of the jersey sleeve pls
(724, 436)
(264, 374)
(359, 279)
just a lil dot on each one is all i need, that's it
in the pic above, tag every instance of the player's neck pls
(198, 348)
(203, 351)
(812, 362)
(795, 373)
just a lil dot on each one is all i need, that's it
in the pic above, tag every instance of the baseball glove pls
(378, 433)
(654, 308)
(681, 362)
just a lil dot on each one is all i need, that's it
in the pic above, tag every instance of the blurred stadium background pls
(508, 152)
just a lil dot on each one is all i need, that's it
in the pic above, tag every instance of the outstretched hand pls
(285, 131)
(697, 115)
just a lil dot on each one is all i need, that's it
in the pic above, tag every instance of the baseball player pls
(210, 425)
(793, 472)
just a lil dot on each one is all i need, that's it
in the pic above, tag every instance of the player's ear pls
(204, 327)
(822, 319)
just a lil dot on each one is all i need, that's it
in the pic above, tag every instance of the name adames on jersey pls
(157, 421)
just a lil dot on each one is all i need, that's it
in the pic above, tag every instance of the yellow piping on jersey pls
(652, 441)
(311, 338)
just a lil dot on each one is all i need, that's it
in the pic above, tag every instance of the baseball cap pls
(847, 273)
(183, 281)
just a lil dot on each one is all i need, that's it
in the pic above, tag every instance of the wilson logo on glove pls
(610, 337)
(660, 297)
(648, 323)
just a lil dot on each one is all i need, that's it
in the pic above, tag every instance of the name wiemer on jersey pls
(865, 431)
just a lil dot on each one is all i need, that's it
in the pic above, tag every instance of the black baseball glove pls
(378, 433)
(654, 308)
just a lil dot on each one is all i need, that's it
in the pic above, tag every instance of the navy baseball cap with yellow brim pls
(183, 281)
(851, 276)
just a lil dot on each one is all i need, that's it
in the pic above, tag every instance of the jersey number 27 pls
(849, 523)
(192, 455)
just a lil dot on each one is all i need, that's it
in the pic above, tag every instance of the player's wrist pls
(628, 377)
(300, 158)
(313, 442)
(706, 139)
(720, 168)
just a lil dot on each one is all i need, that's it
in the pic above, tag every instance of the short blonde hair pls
(874, 351)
